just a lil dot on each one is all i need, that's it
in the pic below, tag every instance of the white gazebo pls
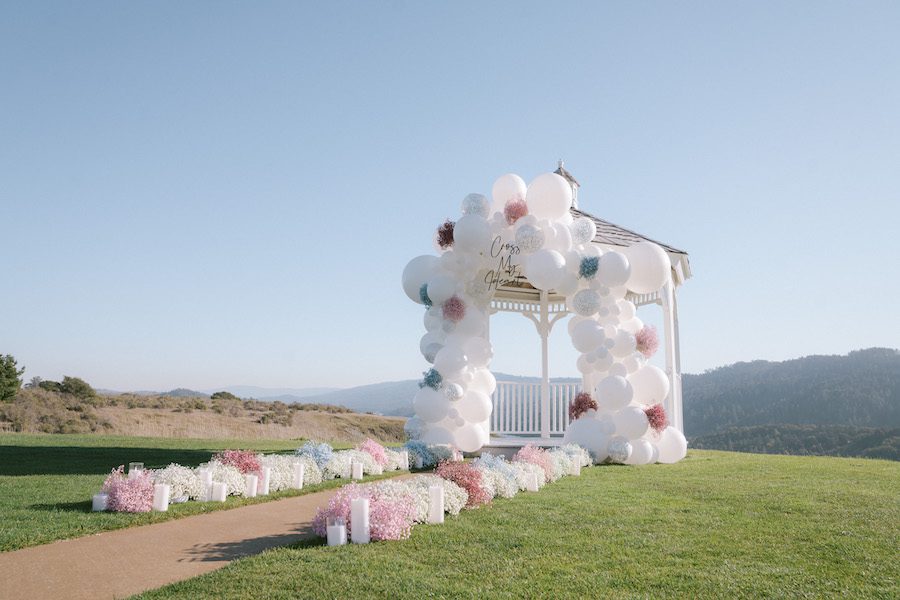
(539, 412)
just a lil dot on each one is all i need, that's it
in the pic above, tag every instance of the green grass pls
(716, 525)
(46, 482)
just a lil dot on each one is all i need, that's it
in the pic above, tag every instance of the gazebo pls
(538, 412)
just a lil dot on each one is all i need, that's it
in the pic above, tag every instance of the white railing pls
(517, 408)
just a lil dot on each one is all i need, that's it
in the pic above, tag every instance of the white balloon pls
(472, 323)
(650, 383)
(437, 436)
(614, 269)
(626, 310)
(618, 369)
(450, 360)
(641, 453)
(430, 405)
(426, 345)
(587, 336)
(631, 422)
(479, 351)
(440, 288)
(650, 267)
(467, 438)
(413, 427)
(530, 238)
(672, 445)
(475, 406)
(633, 362)
(569, 283)
(586, 302)
(575, 320)
(454, 392)
(549, 196)
(614, 392)
(485, 381)
(583, 230)
(632, 326)
(591, 434)
(584, 366)
(476, 204)
(619, 449)
(562, 241)
(433, 319)
(472, 233)
(506, 188)
(416, 273)
(545, 269)
(625, 344)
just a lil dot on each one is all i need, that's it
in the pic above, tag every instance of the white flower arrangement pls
(455, 497)
(403, 489)
(394, 460)
(312, 474)
(281, 476)
(561, 464)
(230, 476)
(525, 469)
(496, 482)
(338, 466)
(183, 481)
(578, 454)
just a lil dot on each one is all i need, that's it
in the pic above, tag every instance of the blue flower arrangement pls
(588, 267)
(319, 453)
(423, 295)
(432, 379)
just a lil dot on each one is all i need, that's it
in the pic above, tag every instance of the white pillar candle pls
(219, 492)
(359, 520)
(161, 492)
(205, 476)
(356, 471)
(436, 504)
(134, 468)
(575, 469)
(404, 460)
(250, 483)
(533, 484)
(337, 533)
(265, 477)
(299, 473)
(99, 501)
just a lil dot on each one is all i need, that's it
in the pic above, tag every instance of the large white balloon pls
(506, 188)
(624, 344)
(549, 196)
(650, 267)
(586, 302)
(413, 427)
(476, 204)
(583, 230)
(671, 445)
(529, 238)
(472, 233)
(475, 406)
(450, 360)
(631, 422)
(485, 381)
(592, 435)
(467, 438)
(641, 452)
(431, 344)
(545, 269)
(440, 288)
(416, 273)
(587, 336)
(614, 392)
(479, 351)
(650, 383)
(430, 405)
(613, 270)
(436, 436)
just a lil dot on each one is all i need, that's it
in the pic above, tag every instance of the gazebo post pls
(672, 402)
(544, 330)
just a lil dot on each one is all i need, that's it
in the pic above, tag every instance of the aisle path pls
(117, 564)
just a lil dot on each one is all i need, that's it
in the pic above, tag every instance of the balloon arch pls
(527, 237)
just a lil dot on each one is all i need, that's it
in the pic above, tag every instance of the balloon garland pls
(528, 234)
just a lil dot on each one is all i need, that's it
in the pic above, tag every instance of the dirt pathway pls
(117, 564)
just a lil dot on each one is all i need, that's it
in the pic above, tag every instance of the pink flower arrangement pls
(375, 450)
(514, 210)
(445, 234)
(390, 518)
(454, 309)
(245, 461)
(129, 495)
(647, 340)
(582, 403)
(656, 414)
(468, 478)
(536, 456)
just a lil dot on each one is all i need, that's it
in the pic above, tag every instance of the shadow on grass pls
(81, 507)
(74, 460)
(225, 551)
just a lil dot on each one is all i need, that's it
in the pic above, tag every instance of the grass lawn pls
(716, 525)
(46, 481)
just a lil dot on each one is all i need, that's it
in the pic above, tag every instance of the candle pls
(98, 503)
(356, 470)
(135, 466)
(533, 484)
(265, 477)
(436, 504)
(575, 469)
(161, 493)
(404, 460)
(250, 483)
(337, 531)
(219, 492)
(299, 472)
(205, 476)
(359, 520)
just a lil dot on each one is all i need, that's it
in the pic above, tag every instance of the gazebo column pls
(672, 402)
(544, 330)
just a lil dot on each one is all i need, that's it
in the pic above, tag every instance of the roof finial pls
(561, 164)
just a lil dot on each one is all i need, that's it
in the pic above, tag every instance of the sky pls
(217, 193)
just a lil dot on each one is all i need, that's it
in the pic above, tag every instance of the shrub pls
(223, 396)
(10, 378)
(76, 387)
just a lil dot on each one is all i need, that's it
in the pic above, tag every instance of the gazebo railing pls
(517, 408)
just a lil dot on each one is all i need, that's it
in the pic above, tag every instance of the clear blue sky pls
(205, 194)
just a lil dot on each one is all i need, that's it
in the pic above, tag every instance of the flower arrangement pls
(319, 453)
(577, 454)
(403, 490)
(496, 483)
(647, 340)
(467, 477)
(312, 474)
(281, 476)
(445, 234)
(536, 456)
(375, 450)
(656, 414)
(431, 379)
(423, 295)
(391, 516)
(561, 462)
(587, 269)
(394, 460)
(229, 475)
(582, 403)
(430, 455)
(182, 480)
(129, 495)
(244, 461)
(454, 309)
(455, 497)
(339, 466)
(526, 469)
(514, 210)
(499, 466)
